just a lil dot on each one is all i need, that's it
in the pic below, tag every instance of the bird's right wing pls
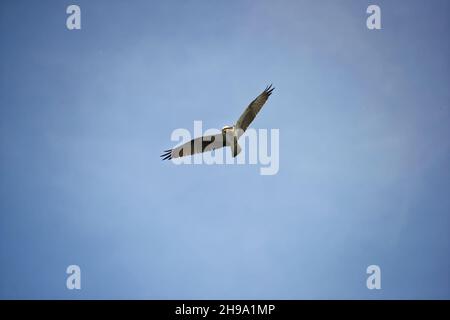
(198, 145)
(253, 108)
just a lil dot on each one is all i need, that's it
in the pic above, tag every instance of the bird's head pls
(226, 128)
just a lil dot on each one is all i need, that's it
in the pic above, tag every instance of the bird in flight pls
(227, 138)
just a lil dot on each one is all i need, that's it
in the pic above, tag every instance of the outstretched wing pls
(198, 145)
(253, 109)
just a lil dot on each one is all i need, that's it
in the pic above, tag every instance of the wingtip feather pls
(269, 90)
(166, 154)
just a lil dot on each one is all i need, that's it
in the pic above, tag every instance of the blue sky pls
(364, 150)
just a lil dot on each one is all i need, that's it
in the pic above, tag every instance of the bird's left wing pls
(253, 108)
(197, 145)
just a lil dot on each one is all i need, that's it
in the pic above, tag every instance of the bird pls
(229, 135)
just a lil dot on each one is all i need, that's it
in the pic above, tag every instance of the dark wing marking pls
(253, 108)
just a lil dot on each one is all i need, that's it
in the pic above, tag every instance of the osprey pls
(227, 138)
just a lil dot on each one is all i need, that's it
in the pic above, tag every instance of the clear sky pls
(364, 120)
